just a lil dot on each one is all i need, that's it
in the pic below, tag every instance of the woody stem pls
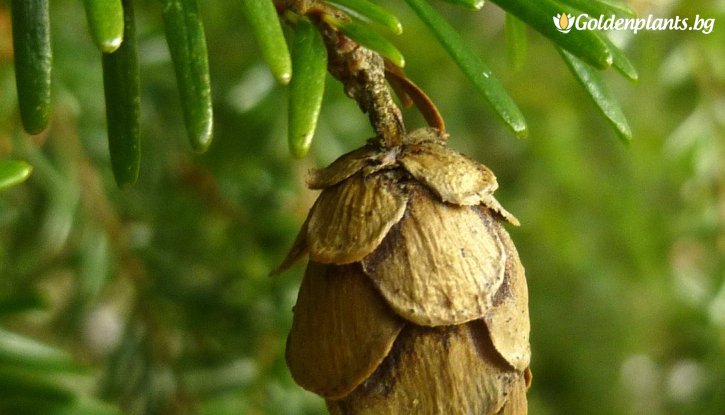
(362, 73)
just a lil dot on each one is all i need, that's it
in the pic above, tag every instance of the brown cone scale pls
(350, 219)
(440, 168)
(342, 168)
(441, 266)
(435, 371)
(324, 353)
(508, 320)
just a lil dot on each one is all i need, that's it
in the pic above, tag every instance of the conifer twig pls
(362, 72)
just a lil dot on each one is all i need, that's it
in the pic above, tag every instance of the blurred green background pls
(157, 298)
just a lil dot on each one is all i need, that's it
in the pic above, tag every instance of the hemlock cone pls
(414, 300)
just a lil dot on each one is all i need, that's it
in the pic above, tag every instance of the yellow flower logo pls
(563, 22)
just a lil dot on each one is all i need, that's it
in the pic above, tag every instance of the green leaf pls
(94, 266)
(620, 61)
(123, 99)
(371, 12)
(105, 21)
(592, 81)
(13, 172)
(369, 38)
(309, 62)
(88, 406)
(472, 67)
(187, 44)
(17, 350)
(33, 61)
(21, 302)
(596, 8)
(471, 4)
(39, 386)
(539, 14)
(25, 401)
(516, 42)
(262, 17)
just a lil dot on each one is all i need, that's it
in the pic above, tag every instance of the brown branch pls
(362, 72)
